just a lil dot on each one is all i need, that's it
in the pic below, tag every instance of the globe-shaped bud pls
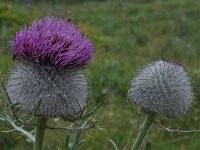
(61, 92)
(162, 87)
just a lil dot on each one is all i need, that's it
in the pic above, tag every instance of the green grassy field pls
(126, 35)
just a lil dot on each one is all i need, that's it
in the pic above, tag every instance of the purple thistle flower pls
(50, 56)
(52, 42)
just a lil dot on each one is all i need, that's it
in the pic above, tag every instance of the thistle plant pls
(48, 78)
(48, 81)
(160, 88)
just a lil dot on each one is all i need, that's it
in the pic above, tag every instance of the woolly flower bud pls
(162, 87)
(62, 92)
(53, 42)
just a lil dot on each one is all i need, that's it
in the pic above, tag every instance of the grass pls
(126, 35)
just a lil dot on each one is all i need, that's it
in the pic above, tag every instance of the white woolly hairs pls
(62, 92)
(162, 87)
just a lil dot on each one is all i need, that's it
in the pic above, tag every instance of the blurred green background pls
(126, 34)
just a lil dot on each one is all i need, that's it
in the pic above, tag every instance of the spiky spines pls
(62, 92)
(162, 87)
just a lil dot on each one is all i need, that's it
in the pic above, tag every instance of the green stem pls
(143, 130)
(77, 141)
(40, 131)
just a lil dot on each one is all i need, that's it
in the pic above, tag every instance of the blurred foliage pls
(126, 34)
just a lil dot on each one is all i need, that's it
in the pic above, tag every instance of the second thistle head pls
(162, 87)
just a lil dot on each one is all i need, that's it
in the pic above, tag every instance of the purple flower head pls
(52, 42)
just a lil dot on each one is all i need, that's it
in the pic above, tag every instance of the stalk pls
(40, 132)
(143, 130)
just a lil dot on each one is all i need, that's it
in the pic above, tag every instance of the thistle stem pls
(77, 141)
(40, 132)
(143, 130)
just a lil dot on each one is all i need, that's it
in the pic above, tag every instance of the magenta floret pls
(53, 42)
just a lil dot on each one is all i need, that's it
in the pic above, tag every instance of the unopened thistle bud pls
(162, 87)
(51, 54)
